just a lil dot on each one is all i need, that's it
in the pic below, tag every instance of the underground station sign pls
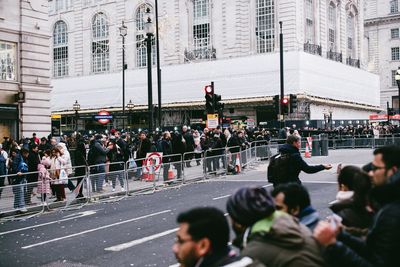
(103, 117)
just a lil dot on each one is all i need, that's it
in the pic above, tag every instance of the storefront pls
(8, 121)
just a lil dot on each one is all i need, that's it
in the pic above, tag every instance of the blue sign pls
(103, 117)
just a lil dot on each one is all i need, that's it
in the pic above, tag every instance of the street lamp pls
(76, 107)
(330, 117)
(158, 67)
(149, 33)
(326, 118)
(130, 107)
(397, 78)
(123, 31)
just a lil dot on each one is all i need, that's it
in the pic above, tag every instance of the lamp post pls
(158, 68)
(130, 107)
(149, 33)
(330, 117)
(76, 107)
(326, 118)
(397, 78)
(123, 31)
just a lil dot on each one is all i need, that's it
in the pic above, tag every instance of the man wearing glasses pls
(202, 240)
(383, 239)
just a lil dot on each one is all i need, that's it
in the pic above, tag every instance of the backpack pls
(22, 166)
(92, 156)
(278, 168)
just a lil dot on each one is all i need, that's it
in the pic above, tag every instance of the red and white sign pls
(155, 159)
(383, 117)
(103, 117)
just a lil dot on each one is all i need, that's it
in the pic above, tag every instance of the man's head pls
(184, 128)
(43, 140)
(34, 134)
(24, 153)
(142, 135)
(34, 147)
(249, 205)
(53, 141)
(294, 141)
(202, 231)
(291, 198)
(386, 162)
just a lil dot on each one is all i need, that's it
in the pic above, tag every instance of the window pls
(61, 5)
(394, 83)
(394, 6)
(265, 26)
(60, 49)
(100, 44)
(350, 35)
(394, 33)
(309, 11)
(201, 25)
(141, 47)
(332, 27)
(395, 53)
(8, 52)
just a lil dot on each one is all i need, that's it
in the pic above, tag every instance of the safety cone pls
(237, 163)
(307, 154)
(171, 174)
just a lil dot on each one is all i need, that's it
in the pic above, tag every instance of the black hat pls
(249, 205)
(99, 136)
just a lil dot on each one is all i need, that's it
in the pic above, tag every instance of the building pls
(24, 69)
(382, 27)
(233, 43)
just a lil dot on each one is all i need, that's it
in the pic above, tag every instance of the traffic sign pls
(212, 121)
(155, 159)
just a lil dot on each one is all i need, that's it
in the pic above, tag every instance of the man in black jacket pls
(380, 249)
(33, 161)
(296, 163)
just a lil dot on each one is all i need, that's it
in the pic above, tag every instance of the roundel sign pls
(155, 159)
(103, 117)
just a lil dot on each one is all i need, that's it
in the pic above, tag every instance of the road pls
(139, 230)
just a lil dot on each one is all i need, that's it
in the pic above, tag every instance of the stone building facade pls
(382, 27)
(24, 69)
(208, 40)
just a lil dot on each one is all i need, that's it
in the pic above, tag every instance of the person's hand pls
(325, 233)
(19, 173)
(327, 166)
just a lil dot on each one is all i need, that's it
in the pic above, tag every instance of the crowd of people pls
(52, 164)
(281, 227)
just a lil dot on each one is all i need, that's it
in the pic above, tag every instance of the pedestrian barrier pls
(86, 184)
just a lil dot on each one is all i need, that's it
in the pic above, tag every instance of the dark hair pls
(390, 155)
(346, 176)
(295, 195)
(24, 150)
(361, 187)
(292, 139)
(208, 223)
(33, 146)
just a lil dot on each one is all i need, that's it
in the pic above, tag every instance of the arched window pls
(309, 22)
(60, 49)
(265, 26)
(141, 50)
(100, 43)
(350, 35)
(201, 25)
(332, 27)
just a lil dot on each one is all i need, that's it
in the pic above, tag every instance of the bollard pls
(316, 146)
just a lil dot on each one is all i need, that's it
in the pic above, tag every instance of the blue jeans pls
(19, 194)
(98, 177)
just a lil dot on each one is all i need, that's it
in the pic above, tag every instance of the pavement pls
(139, 230)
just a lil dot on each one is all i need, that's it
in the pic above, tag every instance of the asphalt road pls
(139, 230)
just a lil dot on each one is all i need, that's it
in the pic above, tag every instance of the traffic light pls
(293, 102)
(276, 104)
(217, 104)
(209, 90)
(285, 106)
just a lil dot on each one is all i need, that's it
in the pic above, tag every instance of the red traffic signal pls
(209, 90)
(285, 101)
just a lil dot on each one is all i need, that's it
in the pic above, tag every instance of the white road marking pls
(332, 202)
(221, 197)
(175, 265)
(95, 229)
(68, 218)
(140, 241)
(241, 180)
(267, 185)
